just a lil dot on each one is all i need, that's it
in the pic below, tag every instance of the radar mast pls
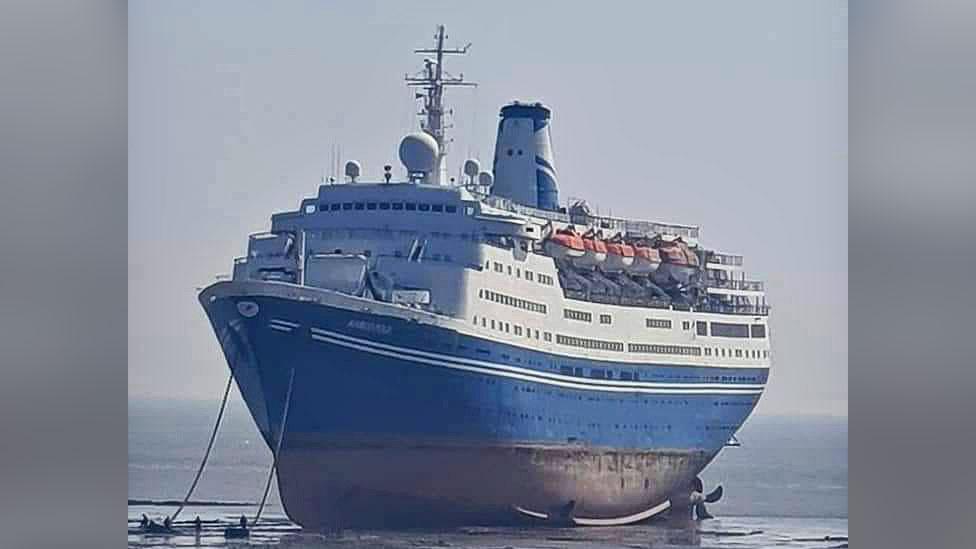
(433, 79)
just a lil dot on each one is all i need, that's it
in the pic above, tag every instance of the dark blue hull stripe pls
(499, 370)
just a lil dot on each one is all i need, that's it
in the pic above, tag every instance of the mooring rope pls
(206, 455)
(274, 458)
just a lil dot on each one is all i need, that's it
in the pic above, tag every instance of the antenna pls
(432, 80)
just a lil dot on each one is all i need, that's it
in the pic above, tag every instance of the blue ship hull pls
(392, 422)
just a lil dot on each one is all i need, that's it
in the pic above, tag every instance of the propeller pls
(698, 498)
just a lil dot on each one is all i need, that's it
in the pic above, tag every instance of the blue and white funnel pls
(524, 168)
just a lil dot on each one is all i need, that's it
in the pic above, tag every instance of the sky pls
(732, 116)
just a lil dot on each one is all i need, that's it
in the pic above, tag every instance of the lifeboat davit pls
(564, 243)
(595, 252)
(646, 260)
(620, 256)
(678, 262)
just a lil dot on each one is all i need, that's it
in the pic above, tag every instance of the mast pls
(433, 79)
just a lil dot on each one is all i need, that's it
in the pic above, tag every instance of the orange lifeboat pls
(595, 251)
(564, 243)
(678, 262)
(646, 260)
(620, 256)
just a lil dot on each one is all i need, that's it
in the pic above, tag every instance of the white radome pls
(418, 152)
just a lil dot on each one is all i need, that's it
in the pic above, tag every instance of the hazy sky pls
(731, 115)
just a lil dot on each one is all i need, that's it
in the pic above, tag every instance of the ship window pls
(410, 206)
(578, 372)
(469, 210)
(371, 205)
(547, 336)
(537, 334)
(685, 325)
(606, 319)
(518, 330)
(424, 207)
(398, 206)
(528, 275)
(509, 270)
(360, 205)
(493, 324)
(738, 353)
(573, 314)
(658, 323)
(335, 207)
(765, 354)
(437, 207)
(498, 267)
(507, 326)
(758, 330)
(708, 352)
(384, 205)
(483, 323)
(518, 273)
(323, 207)
(596, 373)
(566, 370)
(701, 327)
(724, 329)
(347, 205)
(450, 209)
(664, 349)
(723, 353)
(626, 376)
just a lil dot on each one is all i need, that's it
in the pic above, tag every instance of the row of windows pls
(738, 353)
(541, 278)
(587, 343)
(651, 348)
(573, 314)
(513, 301)
(664, 349)
(394, 206)
(724, 329)
(658, 323)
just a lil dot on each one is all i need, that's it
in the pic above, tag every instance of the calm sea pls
(786, 486)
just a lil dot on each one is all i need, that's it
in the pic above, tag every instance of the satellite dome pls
(418, 152)
(353, 169)
(471, 168)
(485, 179)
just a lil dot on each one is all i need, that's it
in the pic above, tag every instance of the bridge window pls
(725, 329)
(701, 328)
(759, 330)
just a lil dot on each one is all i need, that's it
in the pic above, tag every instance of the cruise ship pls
(422, 350)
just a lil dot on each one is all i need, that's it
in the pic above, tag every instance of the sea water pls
(786, 486)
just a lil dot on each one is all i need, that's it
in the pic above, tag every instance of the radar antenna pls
(433, 79)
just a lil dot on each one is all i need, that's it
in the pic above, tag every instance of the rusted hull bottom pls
(383, 485)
